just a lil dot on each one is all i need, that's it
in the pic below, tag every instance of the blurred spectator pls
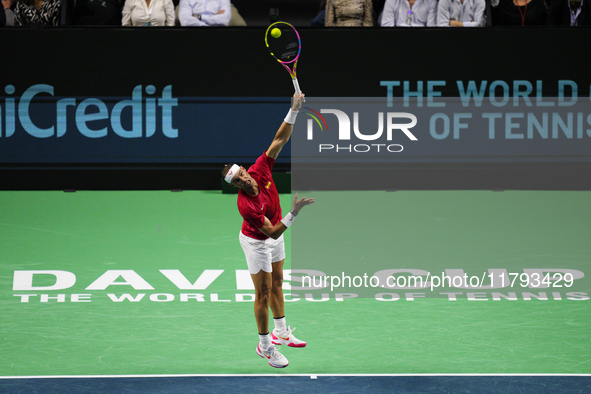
(349, 13)
(569, 13)
(519, 13)
(378, 7)
(98, 12)
(37, 12)
(320, 19)
(148, 13)
(236, 19)
(410, 13)
(467, 13)
(2, 17)
(8, 6)
(205, 12)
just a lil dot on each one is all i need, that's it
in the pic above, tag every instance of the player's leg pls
(258, 259)
(262, 294)
(276, 301)
(282, 334)
(277, 258)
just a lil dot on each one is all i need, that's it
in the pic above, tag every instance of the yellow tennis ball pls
(276, 33)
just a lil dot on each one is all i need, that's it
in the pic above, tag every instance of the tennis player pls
(261, 239)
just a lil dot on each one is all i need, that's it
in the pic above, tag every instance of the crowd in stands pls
(122, 13)
(346, 13)
(455, 13)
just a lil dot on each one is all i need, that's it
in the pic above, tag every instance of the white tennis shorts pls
(260, 254)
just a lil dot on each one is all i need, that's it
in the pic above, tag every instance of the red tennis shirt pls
(254, 208)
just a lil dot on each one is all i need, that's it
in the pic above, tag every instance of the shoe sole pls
(271, 364)
(289, 344)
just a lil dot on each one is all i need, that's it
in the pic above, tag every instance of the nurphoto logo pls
(392, 123)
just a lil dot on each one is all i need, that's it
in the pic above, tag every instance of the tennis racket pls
(284, 44)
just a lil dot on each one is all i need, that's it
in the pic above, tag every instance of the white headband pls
(231, 173)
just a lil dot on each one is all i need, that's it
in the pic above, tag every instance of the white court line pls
(295, 375)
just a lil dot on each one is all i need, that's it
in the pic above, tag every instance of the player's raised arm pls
(284, 132)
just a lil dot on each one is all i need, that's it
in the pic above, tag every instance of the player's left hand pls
(302, 202)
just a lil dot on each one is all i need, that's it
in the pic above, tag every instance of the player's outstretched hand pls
(296, 102)
(302, 202)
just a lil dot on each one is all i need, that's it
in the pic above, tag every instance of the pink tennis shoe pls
(286, 338)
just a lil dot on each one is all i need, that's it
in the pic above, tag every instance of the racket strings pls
(285, 47)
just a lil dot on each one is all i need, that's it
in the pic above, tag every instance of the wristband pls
(288, 220)
(291, 116)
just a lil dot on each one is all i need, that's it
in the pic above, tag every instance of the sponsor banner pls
(311, 285)
(39, 125)
(422, 126)
(496, 121)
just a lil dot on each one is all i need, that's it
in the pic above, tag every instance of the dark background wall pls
(232, 66)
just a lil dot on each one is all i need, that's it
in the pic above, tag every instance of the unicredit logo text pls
(42, 116)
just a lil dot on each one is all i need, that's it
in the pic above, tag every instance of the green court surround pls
(88, 233)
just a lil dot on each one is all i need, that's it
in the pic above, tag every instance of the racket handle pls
(296, 86)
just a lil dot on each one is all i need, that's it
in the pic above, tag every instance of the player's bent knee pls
(278, 283)
(262, 299)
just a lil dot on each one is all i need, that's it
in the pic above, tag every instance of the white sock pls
(265, 341)
(280, 324)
